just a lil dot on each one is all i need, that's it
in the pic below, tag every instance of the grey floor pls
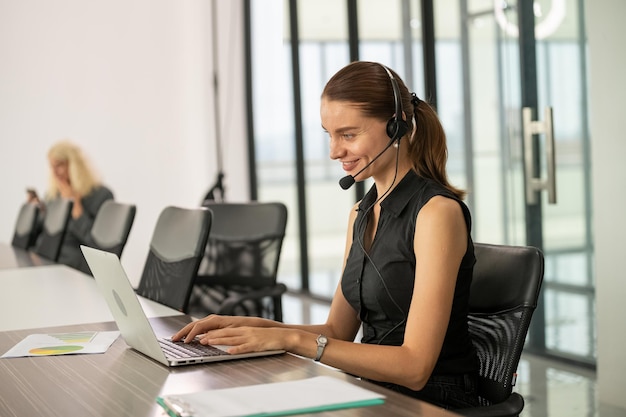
(550, 388)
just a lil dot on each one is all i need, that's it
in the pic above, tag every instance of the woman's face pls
(60, 169)
(355, 140)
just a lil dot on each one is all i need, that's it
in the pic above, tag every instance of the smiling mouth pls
(349, 166)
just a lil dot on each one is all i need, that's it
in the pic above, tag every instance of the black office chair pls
(504, 293)
(57, 217)
(238, 273)
(176, 249)
(112, 225)
(110, 229)
(25, 233)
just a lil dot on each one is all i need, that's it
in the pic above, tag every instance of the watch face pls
(322, 339)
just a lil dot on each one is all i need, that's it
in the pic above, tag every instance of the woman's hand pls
(250, 339)
(214, 321)
(243, 334)
(31, 196)
(66, 191)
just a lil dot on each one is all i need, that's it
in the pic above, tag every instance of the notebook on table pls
(134, 325)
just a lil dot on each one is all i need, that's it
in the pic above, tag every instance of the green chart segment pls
(76, 337)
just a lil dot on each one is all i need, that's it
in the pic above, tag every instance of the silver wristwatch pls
(321, 344)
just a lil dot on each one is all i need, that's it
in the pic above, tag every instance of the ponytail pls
(427, 147)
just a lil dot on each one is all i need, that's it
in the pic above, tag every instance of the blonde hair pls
(82, 177)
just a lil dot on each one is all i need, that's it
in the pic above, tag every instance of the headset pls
(397, 127)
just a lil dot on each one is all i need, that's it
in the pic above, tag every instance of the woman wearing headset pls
(409, 256)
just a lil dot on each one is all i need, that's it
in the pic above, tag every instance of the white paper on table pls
(63, 344)
(274, 399)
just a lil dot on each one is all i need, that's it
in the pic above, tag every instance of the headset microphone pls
(347, 181)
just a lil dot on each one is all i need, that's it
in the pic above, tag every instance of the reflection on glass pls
(479, 103)
(565, 331)
(273, 124)
(494, 131)
(561, 74)
(323, 51)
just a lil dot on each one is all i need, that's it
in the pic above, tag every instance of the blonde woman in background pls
(73, 178)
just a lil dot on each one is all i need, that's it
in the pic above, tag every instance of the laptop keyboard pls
(181, 350)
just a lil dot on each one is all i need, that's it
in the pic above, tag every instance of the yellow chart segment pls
(54, 350)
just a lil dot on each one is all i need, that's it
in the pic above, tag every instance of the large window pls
(322, 48)
(478, 96)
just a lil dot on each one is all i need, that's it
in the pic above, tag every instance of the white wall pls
(132, 83)
(606, 34)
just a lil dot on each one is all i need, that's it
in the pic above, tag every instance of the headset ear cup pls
(403, 128)
(391, 128)
(396, 129)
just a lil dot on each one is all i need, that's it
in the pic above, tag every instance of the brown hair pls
(368, 87)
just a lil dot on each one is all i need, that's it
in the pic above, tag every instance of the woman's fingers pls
(193, 329)
(227, 330)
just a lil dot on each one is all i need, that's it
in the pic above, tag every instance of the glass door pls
(519, 121)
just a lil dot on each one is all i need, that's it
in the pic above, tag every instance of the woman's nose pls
(336, 150)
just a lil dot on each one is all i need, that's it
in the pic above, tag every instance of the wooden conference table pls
(123, 382)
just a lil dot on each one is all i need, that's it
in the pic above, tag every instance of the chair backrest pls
(112, 225)
(57, 217)
(25, 232)
(245, 243)
(238, 273)
(176, 249)
(504, 293)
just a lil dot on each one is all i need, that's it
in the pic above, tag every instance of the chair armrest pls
(511, 407)
(228, 305)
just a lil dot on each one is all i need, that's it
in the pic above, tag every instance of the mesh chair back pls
(26, 226)
(176, 249)
(242, 255)
(55, 223)
(112, 225)
(504, 293)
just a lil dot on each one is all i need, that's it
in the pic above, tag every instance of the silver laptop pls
(134, 325)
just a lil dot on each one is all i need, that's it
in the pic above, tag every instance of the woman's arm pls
(440, 243)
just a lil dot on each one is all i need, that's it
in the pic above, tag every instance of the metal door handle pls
(533, 183)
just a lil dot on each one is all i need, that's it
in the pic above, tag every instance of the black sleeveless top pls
(380, 286)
